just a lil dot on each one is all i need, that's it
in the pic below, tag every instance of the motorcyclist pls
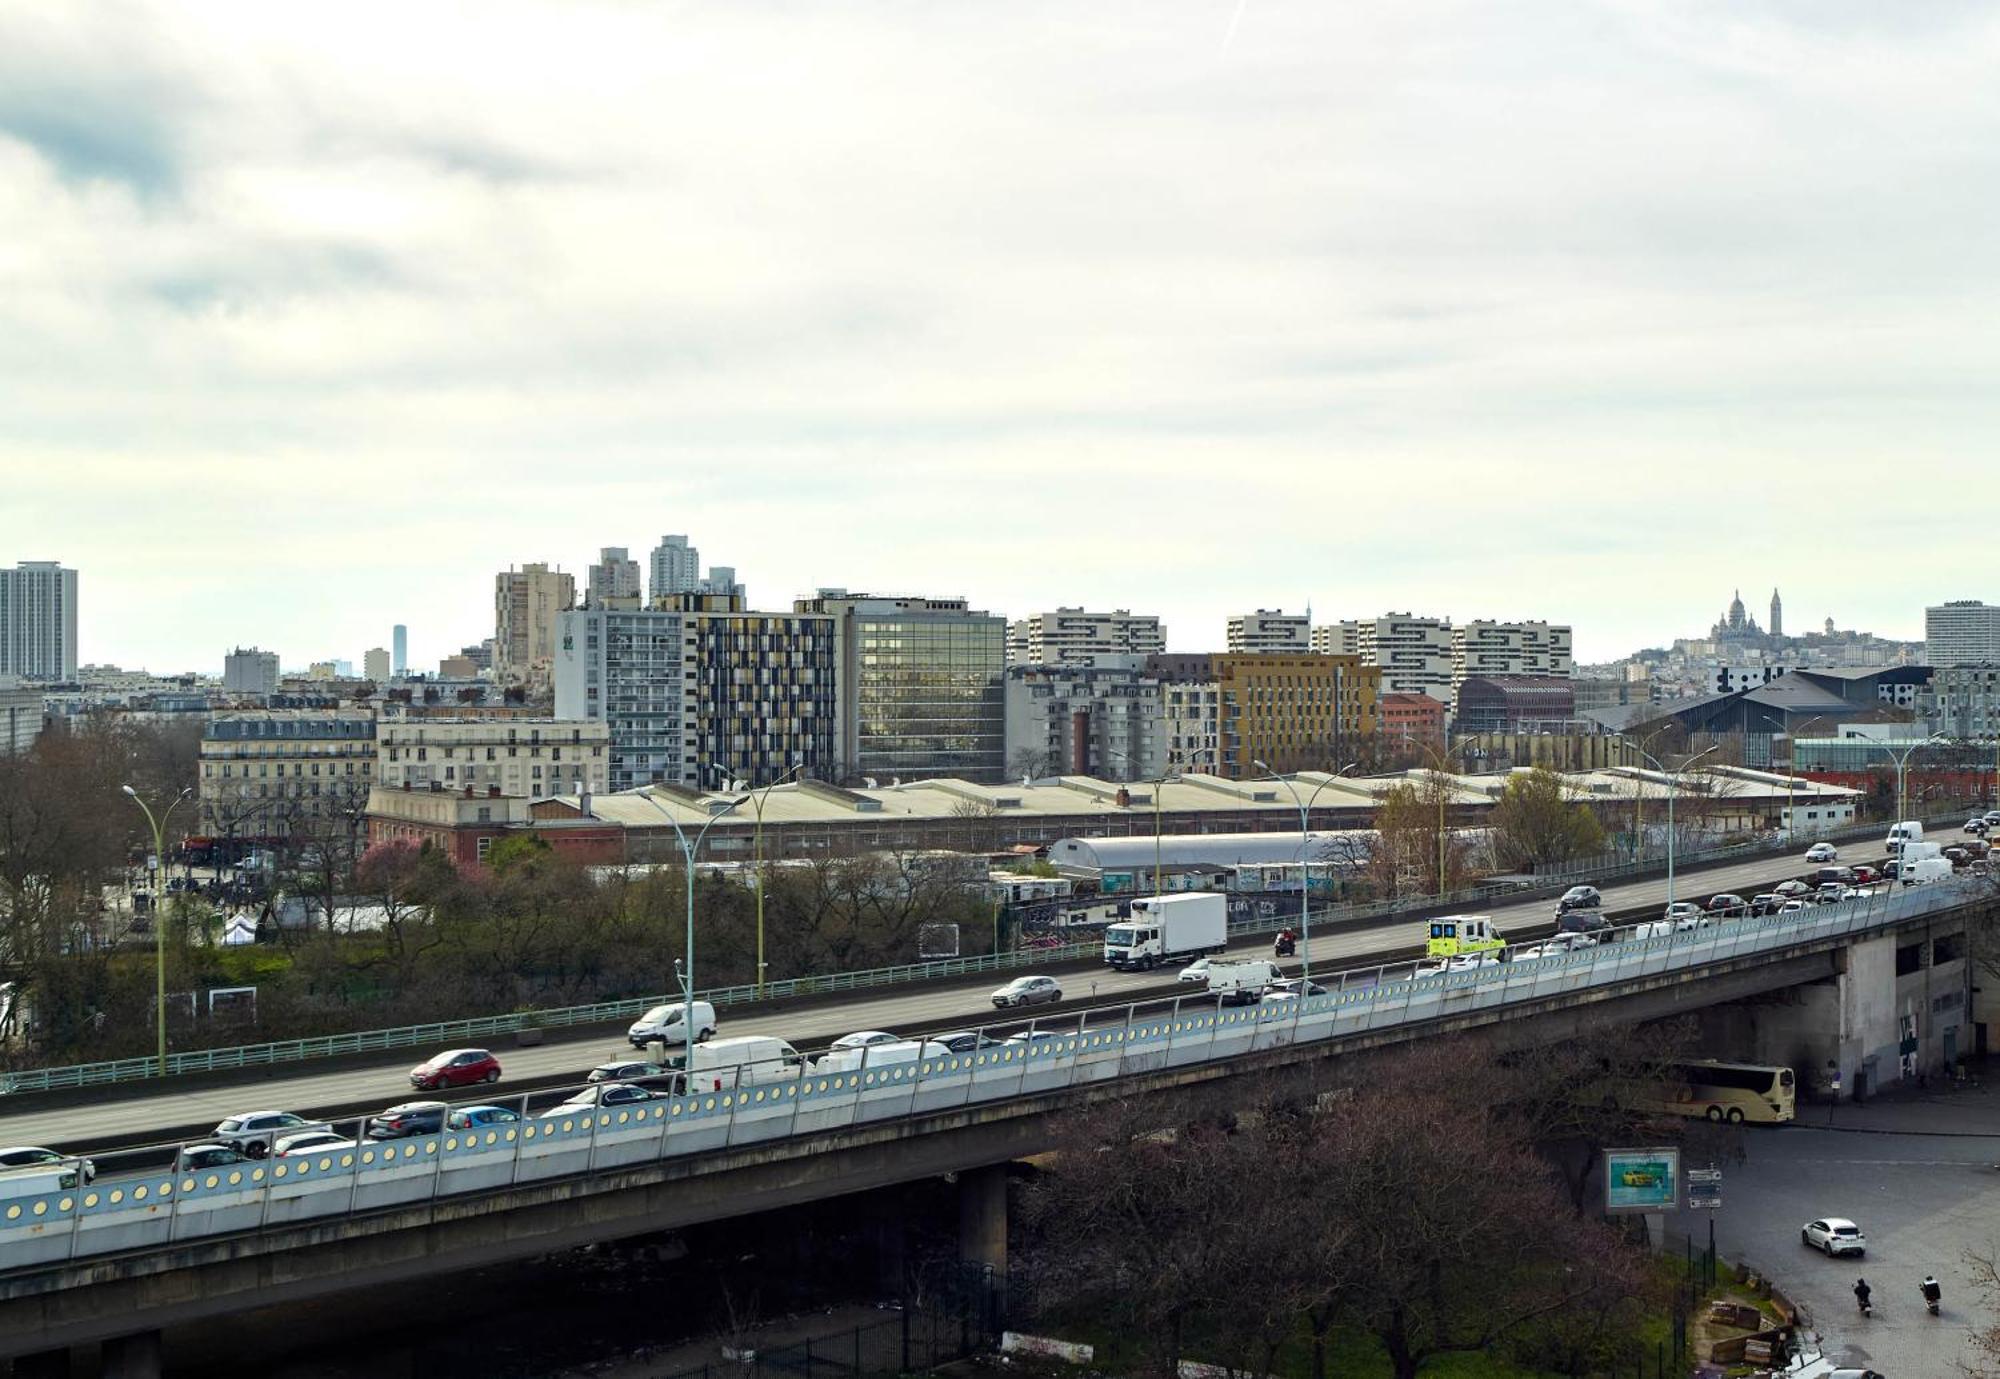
(1932, 1293)
(1861, 1291)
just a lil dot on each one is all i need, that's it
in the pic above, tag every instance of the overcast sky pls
(313, 319)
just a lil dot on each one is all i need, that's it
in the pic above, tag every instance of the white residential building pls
(1270, 631)
(1100, 721)
(521, 756)
(38, 621)
(246, 670)
(526, 603)
(1486, 649)
(1413, 653)
(21, 712)
(375, 664)
(677, 570)
(1073, 637)
(1965, 632)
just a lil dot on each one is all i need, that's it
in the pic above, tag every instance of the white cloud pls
(1589, 311)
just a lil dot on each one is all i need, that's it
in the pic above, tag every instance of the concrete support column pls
(132, 1357)
(43, 1364)
(982, 1218)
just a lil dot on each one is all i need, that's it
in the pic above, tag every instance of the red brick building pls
(465, 825)
(1411, 717)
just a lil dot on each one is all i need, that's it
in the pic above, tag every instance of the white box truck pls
(1924, 871)
(1241, 983)
(1168, 928)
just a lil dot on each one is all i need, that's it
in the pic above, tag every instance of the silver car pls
(1027, 991)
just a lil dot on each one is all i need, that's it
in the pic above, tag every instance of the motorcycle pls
(1861, 1300)
(1286, 945)
(1933, 1295)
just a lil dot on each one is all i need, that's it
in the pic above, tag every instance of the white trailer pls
(1168, 928)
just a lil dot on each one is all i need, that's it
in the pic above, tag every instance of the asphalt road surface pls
(85, 1127)
(1918, 1174)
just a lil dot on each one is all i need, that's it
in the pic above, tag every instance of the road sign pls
(1704, 1187)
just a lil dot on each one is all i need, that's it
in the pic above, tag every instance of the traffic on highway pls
(280, 1117)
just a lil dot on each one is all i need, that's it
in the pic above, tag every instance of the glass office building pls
(919, 687)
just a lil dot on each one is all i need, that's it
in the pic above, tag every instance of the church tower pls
(1777, 615)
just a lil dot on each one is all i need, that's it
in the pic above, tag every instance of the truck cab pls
(1457, 936)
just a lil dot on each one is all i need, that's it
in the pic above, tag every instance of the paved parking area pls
(1917, 1173)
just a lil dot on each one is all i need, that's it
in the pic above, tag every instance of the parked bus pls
(1733, 1092)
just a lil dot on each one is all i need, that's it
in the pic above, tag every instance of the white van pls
(745, 1061)
(1909, 831)
(873, 1056)
(663, 1023)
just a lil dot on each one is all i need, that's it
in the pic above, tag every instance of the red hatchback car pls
(455, 1068)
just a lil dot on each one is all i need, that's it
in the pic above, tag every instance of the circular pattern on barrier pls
(347, 1161)
(42, 1208)
(166, 1189)
(188, 1185)
(492, 1137)
(623, 1116)
(568, 1126)
(869, 1078)
(677, 1108)
(14, 1213)
(235, 1177)
(368, 1156)
(430, 1146)
(604, 1119)
(90, 1199)
(138, 1193)
(256, 1175)
(211, 1181)
(325, 1164)
(65, 1204)
(528, 1133)
(708, 1105)
(451, 1143)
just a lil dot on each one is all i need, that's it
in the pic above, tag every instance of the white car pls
(312, 1142)
(861, 1039)
(1555, 946)
(1464, 962)
(1836, 1235)
(30, 1158)
(1822, 852)
(1196, 971)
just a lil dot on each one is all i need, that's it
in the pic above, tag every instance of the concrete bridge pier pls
(982, 1235)
(132, 1357)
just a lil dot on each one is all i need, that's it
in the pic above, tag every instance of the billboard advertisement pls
(1641, 1179)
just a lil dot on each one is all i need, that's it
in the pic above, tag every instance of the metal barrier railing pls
(121, 1070)
(42, 1224)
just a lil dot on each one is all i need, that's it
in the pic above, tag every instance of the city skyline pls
(1390, 308)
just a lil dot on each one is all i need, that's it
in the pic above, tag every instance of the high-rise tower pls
(1777, 615)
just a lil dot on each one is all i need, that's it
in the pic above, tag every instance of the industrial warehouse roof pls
(813, 802)
(1179, 849)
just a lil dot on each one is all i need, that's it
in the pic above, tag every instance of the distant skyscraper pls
(525, 604)
(1962, 633)
(614, 580)
(676, 567)
(1777, 615)
(38, 621)
(250, 671)
(399, 643)
(375, 664)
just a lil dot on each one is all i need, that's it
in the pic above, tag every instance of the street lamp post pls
(1158, 783)
(1673, 784)
(1305, 861)
(757, 799)
(159, 827)
(688, 851)
(1902, 761)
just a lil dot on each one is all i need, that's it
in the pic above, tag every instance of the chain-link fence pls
(915, 1340)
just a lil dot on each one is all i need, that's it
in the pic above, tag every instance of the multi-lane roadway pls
(170, 1114)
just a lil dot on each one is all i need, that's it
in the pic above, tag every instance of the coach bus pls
(1734, 1092)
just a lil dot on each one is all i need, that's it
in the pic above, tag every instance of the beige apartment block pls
(522, 756)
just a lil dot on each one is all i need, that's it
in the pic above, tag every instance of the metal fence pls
(448, 1032)
(42, 1223)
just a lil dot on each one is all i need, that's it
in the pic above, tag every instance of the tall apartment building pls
(1413, 653)
(247, 670)
(38, 621)
(1270, 630)
(917, 687)
(1962, 701)
(699, 689)
(1965, 632)
(278, 773)
(614, 580)
(1294, 713)
(399, 644)
(526, 604)
(1509, 648)
(21, 717)
(677, 571)
(1072, 637)
(1103, 721)
(520, 756)
(375, 664)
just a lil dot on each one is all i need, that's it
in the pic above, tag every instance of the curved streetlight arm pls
(688, 851)
(1305, 862)
(159, 829)
(1673, 789)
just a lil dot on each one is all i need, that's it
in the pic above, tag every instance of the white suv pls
(1834, 1234)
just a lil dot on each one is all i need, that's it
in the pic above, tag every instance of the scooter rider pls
(1932, 1293)
(1861, 1292)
